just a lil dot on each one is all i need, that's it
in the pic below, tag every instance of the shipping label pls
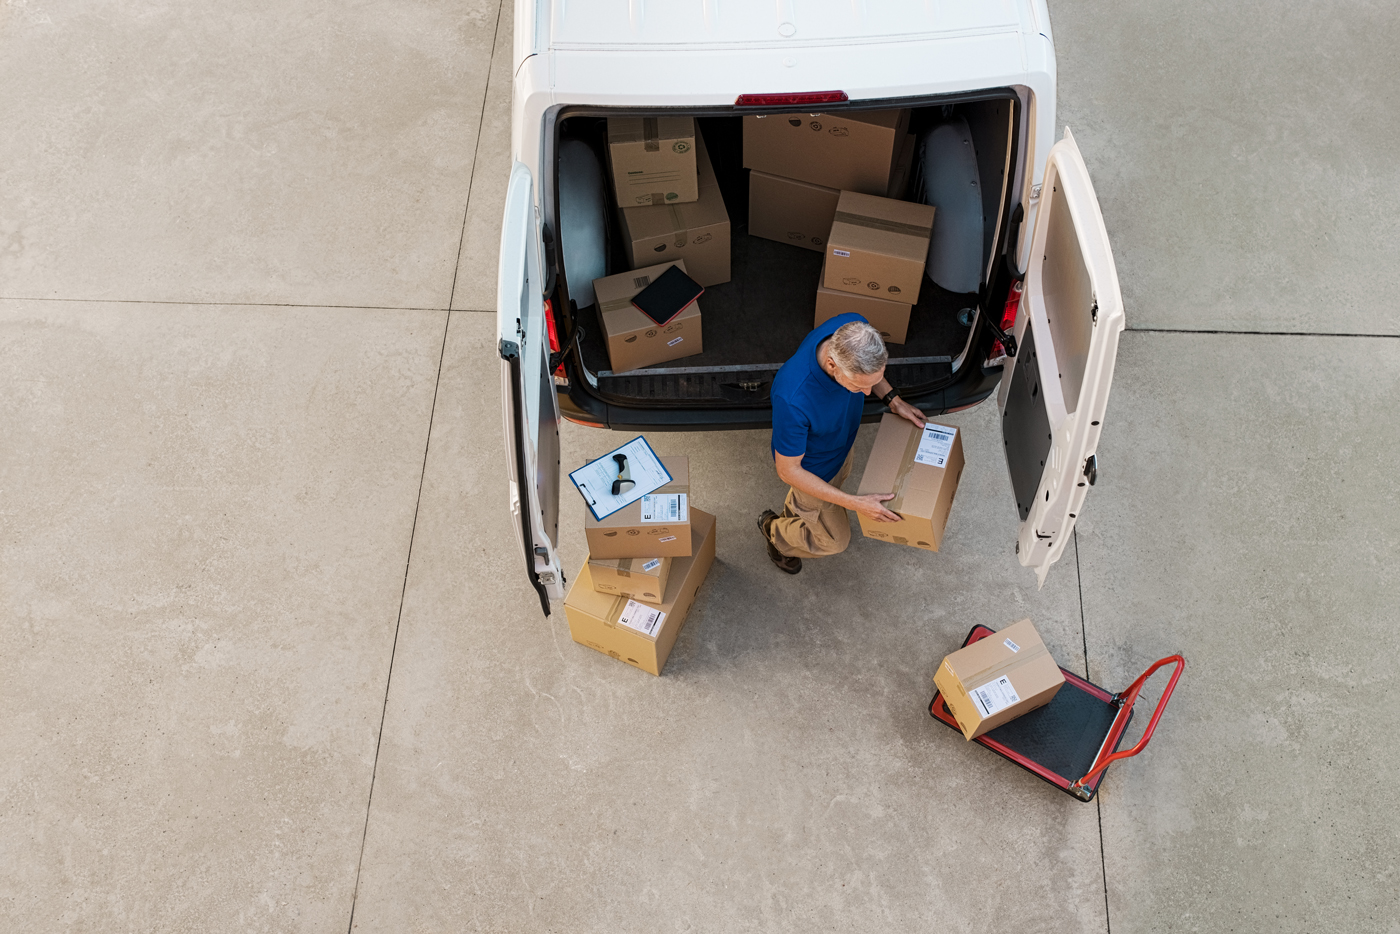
(935, 445)
(652, 565)
(994, 696)
(644, 619)
(659, 508)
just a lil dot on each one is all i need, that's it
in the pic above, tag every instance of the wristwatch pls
(889, 396)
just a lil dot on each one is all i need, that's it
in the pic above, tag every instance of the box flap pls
(646, 129)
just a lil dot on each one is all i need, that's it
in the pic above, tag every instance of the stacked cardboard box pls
(694, 231)
(645, 564)
(634, 339)
(653, 160)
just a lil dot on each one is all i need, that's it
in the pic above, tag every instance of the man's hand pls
(872, 506)
(905, 410)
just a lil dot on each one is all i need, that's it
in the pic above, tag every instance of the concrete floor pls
(267, 666)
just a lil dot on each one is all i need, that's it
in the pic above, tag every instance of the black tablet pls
(668, 295)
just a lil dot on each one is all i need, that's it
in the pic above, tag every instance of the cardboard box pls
(640, 578)
(634, 340)
(878, 245)
(696, 231)
(997, 679)
(850, 151)
(791, 211)
(906, 462)
(630, 631)
(903, 168)
(655, 526)
(653, 160)
(890, 318)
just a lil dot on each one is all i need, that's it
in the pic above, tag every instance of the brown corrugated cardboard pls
(903, 168)
(696, 231)
(997, 679)
(852, 151)
(891, 318)
(922, 473)
(634, 340)
(601, 621)
(653, 159)
(640, 578)
(791, 211)
(878, 245)
(655, 526)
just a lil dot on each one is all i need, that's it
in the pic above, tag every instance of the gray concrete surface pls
(267, 658)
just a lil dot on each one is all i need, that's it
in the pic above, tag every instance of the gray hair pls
(858, 349)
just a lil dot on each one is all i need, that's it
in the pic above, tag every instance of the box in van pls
(655, 526)
(891, 319)
(845, 151)
(653, 160)
(696, 231)
(635, 340)
(922, 469)
(791, 211)
(879, 246)
(642, 634)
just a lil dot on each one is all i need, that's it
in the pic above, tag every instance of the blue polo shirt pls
(813, 415)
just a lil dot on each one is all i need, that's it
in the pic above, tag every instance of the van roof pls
(638, 24)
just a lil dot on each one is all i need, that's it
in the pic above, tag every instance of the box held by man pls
(642, 634)
(634, 340)
(922, 469)
(878, 246)
(653, 160)
(997, 679)
(655, 526)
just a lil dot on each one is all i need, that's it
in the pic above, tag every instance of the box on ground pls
(655, 526)
(695, 231)
(653, 159)
(639, 578)
(638, 633)
(878, 246)
(903, 168)
(997, 679)
(852, 151)
(791, 211)
(891, 319)
(922, 469)
(635, 340)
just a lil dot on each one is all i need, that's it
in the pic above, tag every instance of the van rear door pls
(527, 391)
(1055, 390)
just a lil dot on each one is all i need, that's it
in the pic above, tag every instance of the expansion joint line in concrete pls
(1098, 802)
(1226, 333)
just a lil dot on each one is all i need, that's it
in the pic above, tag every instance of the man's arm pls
(871, 505)
(897, 405)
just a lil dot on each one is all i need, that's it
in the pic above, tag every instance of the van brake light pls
(800, 99)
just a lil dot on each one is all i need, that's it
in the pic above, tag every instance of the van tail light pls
(1009, 312)
(800, 99)
(553, 332)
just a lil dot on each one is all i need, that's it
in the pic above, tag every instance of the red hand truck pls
(1071, 740)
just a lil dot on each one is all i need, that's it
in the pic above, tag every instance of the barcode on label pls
(1011, 645)
(668, 538)
(840, 252)
(645, 619)
(994, 696)
(641, 282)
(652, 565)
(674, 342)
(664, 507)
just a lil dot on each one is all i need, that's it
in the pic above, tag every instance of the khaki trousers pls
(811, 527)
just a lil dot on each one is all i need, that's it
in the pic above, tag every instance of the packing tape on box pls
(610, 618)
(651, 135)
(876, 223)
(906, 467)
(996, 671)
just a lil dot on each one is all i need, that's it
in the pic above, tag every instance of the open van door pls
(1054, 391)
(527, 391)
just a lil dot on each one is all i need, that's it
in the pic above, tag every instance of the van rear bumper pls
(579, 405)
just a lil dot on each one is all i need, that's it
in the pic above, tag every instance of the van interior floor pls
(758, 319)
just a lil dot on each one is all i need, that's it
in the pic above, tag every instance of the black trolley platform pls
(1071, 740)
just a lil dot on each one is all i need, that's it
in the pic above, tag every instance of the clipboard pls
(639, 470)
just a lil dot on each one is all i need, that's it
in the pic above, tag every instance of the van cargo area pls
(754, 322)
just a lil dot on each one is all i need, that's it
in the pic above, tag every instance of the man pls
(818, 397)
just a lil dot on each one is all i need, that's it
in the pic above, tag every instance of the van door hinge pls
(510, 350)
(1094, 311)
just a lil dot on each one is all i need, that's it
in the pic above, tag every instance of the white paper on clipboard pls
(594, 480)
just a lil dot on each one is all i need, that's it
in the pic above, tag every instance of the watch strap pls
(888, 397)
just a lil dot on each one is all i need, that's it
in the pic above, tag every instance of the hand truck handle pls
(1127, 699)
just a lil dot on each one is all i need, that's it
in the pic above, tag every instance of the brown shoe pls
(783, 562)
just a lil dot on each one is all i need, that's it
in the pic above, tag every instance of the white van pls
(1047, 271)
